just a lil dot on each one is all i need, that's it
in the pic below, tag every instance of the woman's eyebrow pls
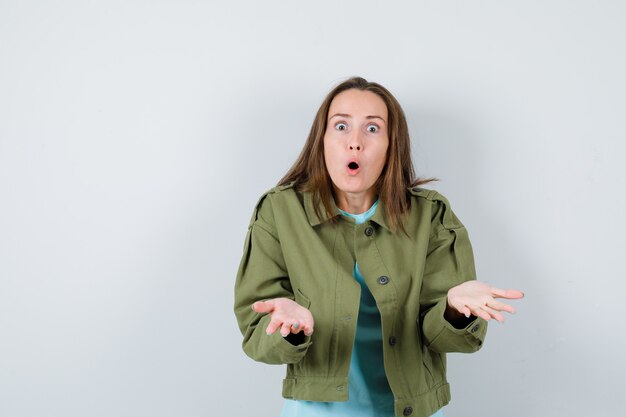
(339, 115)
(375, 117)
(349, 116)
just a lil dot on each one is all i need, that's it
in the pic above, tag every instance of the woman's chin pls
(351, 187)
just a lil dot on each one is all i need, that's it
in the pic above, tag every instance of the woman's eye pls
(372, 128)
(341, 126)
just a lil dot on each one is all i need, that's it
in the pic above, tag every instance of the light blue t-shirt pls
(369, 394)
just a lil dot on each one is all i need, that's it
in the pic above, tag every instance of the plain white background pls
(136, 137)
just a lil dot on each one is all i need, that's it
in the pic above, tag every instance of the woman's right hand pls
(287, 315)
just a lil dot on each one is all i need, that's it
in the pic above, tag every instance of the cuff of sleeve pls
(450, 339)
(274, 348)
(290, 352)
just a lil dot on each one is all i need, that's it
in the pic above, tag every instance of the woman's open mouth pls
(353, 168)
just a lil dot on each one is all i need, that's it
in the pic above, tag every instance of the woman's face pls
(356, 141)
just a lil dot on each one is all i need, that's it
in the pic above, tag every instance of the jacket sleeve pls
(449, 262)
(262, 275)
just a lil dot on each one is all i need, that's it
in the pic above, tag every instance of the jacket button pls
(392, 340)
(369, 230)
(407, 411)
(383, 280)
(475, 328)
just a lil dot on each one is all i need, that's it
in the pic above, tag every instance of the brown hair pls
(310, 173)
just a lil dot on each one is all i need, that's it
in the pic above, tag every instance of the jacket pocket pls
(302, 299)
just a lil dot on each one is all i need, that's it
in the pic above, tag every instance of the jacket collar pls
(314, 220)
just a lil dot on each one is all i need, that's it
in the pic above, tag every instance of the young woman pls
(357, 278)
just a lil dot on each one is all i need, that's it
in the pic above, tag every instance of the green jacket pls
(290, 252)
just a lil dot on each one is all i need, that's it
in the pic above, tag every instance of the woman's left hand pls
(479, 299)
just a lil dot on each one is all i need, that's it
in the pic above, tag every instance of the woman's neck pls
(354, 203)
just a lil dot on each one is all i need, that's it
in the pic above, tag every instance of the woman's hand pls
(479, 299)
(287, 315)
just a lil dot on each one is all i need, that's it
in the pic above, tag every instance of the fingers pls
(490, 310)
(510, 294)
(479, 299)
(500, 306)
(486, 313)
(496, 305)
(479, 312)
(290, 326)
(493, 313)
(294, 322)
(273, 326)
(286, 315)
(285, 329)
(263, 306)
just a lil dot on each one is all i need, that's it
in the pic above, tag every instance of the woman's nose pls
(355, 144)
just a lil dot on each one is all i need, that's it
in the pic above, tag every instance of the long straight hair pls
(310, 174)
